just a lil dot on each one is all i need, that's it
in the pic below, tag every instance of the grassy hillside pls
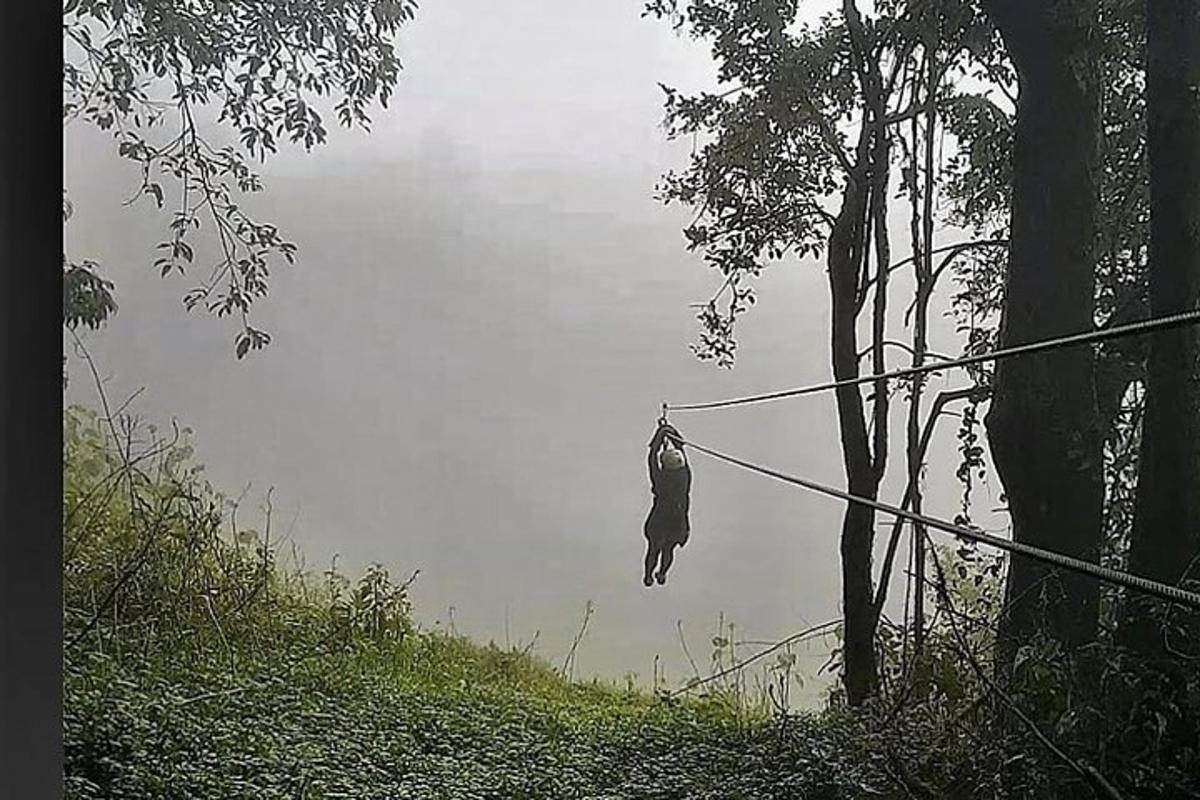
(365, 723)
(197, 667)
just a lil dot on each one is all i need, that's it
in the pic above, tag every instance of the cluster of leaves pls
(771, 152)
(1136, 721)
(768, 150)
(87, 297)
(947, 725)
(375, 608)
(135, 66)
(971, 465)
(977, 176)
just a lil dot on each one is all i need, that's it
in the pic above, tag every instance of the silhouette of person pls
(667, 525)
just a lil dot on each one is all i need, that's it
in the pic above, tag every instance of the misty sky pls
(468, 358)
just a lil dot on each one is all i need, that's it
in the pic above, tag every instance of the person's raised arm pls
(652, 461)
(687, 486)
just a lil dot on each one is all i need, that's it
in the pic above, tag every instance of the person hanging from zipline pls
(667, 525)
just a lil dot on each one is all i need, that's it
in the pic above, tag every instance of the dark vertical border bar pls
(31, 754)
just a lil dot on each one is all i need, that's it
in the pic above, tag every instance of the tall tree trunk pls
(863, 213)
(923, 269)
(847, 251)
(1042, 425)
(1166, 528)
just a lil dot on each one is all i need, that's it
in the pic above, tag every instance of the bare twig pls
(212, 614)
(187, 701)
(568, 667)
(738, 666)
(910, 489)
(906, 348)
(957, 248)
(532, 642)
(686, 652)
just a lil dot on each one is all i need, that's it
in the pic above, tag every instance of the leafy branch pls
(263, 69)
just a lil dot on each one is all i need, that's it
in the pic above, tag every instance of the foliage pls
(978, 179)
(214, 671)
(87, 298)
(947, 725)
(132, 67)
(198, 666)
(977, 175)
(817, 116)
(771, 150)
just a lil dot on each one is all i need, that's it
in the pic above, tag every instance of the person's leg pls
(668, 555)
(651, 560)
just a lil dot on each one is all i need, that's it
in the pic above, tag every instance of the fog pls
(487, 309)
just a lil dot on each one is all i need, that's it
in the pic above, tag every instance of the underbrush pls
(198, 666)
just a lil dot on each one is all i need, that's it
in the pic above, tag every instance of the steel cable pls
(1088, 337)
(1163, 591)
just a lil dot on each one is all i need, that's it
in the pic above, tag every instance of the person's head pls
(671, 457)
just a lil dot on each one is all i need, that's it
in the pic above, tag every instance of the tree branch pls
(795, 637)
(935, 411)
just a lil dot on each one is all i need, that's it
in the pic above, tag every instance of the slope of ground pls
(197, 667)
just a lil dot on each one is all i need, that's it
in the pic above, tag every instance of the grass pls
(196, 666)
(366, 723)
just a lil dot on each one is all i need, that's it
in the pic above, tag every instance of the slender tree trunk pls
(863, 214)
(923, 268)
(847, 250)
(1042, 425)
(1166, 528)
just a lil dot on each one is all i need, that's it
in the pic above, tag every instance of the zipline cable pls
(1096, 335)
(1163, 591)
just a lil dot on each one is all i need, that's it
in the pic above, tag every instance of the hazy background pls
(468, 358)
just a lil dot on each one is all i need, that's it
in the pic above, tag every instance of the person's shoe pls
(646, 579)
(661, 578)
